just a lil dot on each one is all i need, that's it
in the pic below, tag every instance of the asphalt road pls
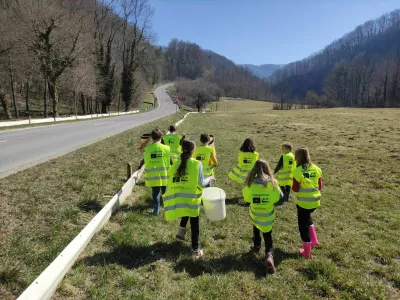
(23, 148)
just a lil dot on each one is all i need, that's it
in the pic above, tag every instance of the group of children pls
(177, 171)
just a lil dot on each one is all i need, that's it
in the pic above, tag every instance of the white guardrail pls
(62, 119)
(44, 286)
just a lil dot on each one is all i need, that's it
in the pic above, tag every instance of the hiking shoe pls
(197, 253)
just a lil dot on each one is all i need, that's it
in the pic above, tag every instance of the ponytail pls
(187, 149)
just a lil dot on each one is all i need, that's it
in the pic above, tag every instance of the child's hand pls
(212, 179)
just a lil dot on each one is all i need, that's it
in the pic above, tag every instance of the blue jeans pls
(157, 192)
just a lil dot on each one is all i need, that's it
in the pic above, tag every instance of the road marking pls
(103, 123)
(4, 141)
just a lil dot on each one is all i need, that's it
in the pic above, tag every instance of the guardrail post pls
(128, 170)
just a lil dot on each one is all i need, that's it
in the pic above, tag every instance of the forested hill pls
(361, 68)
(190, 61)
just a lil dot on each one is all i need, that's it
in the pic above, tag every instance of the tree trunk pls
(83, 104)
(4, 104)
(45, 100)
(27, 96)
(126, 106)
(13, 91)
(53, 93)
(104, 108)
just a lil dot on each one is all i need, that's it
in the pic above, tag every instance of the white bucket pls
(214, 203)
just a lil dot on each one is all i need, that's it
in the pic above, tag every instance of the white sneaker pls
(197, 253)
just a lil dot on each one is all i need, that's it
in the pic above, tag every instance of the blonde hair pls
(262, 171)
(302, 156)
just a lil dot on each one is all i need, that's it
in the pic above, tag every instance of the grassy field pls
(44, 207)
(136, 257)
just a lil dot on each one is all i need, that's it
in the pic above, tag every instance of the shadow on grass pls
(245, 262)
(133, 257)
(90, 205)
(236, 201)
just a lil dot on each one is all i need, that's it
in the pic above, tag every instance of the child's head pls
(156, 135)
(302, 156)
(287, 147)
(248, 146)
(205, 138)
(172, 128)
(188, 148)
(262, 171)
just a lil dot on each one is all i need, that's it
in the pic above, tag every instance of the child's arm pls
(214, 158)
(280, 165)
(320, 185)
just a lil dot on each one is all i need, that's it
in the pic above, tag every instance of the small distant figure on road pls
(307, 185)
(157, 161)
(246, 160)
(262, 192)
(183, 196)
(284, 170)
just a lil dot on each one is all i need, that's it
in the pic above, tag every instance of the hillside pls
(263, 71)
(362, 68)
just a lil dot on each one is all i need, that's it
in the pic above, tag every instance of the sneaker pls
(197, 253)
(269, 263)
(181, 234)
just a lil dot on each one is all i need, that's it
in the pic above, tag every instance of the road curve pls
(24, 148)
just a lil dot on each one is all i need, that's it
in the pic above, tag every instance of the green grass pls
(136, 256)
(44, 207)
(148, 101)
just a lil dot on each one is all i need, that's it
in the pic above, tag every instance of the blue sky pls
(262, 31)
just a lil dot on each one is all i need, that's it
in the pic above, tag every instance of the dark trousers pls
(195, 229)
(286, 192)
(305, 221)
(267, 239)
(157, 192)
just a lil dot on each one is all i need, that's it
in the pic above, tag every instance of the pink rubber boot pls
(313, 236)
(306, 251)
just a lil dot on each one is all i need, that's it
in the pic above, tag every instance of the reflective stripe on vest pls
(156, 178)
(181, 205)
(156, 169)
(236, 174)
(267, 223)
(310, 190)
(262, 215)
(309, 199)
(182, 195)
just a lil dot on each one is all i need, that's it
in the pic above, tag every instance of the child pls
(247, 157)
(307, 185)
(284, 170)
(183, 196)
(262, 192)
(174, 140)
(206, 155)
(156, 161)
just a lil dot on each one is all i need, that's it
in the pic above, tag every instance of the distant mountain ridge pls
(263, 71)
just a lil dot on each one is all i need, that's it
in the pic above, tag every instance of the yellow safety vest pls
(309, 194)
(173, 140)
(203, 154)
(246, 161)
(156, 161)
(183, 195)
(285, 175)
(262, 200)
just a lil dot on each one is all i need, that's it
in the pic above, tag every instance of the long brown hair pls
(248, 146)
(262, 171)
(187, 149)
(302, 156)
